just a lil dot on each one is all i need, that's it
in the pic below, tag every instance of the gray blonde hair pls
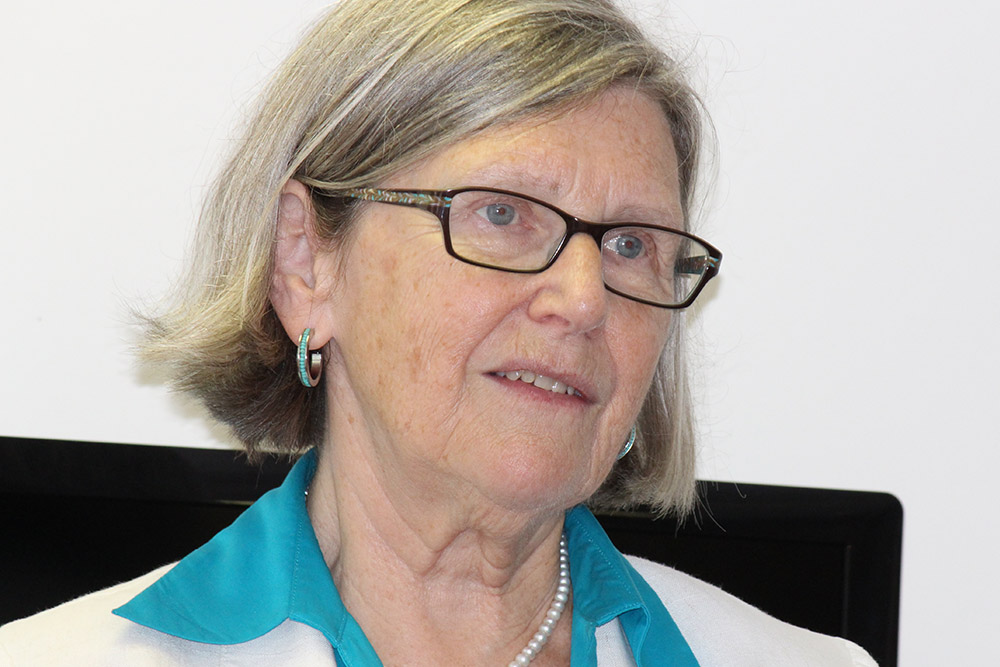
(375, 86)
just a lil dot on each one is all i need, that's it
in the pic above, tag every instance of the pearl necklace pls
(529, 652)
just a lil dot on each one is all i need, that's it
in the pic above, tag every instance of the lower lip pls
(531, 391)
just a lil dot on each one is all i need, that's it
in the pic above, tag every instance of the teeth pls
(540, 381)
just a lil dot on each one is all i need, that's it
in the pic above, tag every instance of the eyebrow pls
(510, 176)
(533, 176)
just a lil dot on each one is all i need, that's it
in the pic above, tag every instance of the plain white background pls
(849, 343)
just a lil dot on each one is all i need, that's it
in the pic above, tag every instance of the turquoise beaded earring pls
(310, 364)
(628, 445)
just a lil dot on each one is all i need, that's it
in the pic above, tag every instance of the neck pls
(435, 582)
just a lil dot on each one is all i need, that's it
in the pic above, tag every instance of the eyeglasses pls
(508, 231)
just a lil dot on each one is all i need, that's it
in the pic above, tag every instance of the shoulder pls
(722, 630)
(84, 628)
(85, 633)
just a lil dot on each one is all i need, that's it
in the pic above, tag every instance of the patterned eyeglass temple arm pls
(696, 266)
(422, 199)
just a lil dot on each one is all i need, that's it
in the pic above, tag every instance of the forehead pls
(613, 155)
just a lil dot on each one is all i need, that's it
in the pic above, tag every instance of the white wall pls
(853, 340)
(849, 342)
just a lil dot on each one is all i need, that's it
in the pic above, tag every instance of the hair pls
(373, 87)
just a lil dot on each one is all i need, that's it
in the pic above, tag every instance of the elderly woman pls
(448, 262)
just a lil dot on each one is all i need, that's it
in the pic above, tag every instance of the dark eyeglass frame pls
(438, 203)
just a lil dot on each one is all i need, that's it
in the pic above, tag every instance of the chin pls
(533, 483)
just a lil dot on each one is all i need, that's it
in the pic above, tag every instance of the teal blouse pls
(267, 567)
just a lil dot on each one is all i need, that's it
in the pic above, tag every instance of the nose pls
(571, 292)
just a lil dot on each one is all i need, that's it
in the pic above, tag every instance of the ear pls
(295, 294)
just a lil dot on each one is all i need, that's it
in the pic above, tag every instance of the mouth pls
(540, 381)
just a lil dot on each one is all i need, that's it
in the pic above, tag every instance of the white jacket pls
(721, 630)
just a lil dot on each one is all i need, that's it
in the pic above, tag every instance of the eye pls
(499, 214)
(627, 246)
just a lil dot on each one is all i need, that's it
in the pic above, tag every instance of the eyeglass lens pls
(509, 232)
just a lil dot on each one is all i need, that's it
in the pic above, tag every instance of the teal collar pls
(267, 567)
(263, 569)
(605, 587)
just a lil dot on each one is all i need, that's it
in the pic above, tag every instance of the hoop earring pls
(310, 364)
(628, 445)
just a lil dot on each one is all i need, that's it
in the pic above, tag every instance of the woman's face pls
(421, 339)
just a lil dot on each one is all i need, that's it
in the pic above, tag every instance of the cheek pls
(636, 346)
(425, 328)
(415, 321)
